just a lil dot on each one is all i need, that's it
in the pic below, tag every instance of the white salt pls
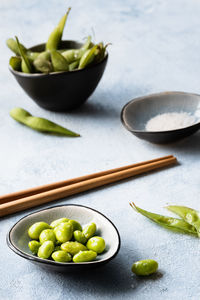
(170, 121)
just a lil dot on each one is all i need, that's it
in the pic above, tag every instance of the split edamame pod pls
(191, 216)
(15, 63)
(61, 256)
(145, 267)
(43, 62)
(89, 230)
(45, 249)
(26, 65)
(167, 222)
(84, 256)
(97, 244)
(59, 62)
(35, 229)
(39, 124)
(56, 35)
(34, 246)
(13, 46)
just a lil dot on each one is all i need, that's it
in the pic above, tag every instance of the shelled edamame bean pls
(64, 240)
(52, 58)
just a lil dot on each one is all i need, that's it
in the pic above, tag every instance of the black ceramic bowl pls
(136, 113)
(61, 91)
(17, 237)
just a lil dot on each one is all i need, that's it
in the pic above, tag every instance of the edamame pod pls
(56, 35)
(15, 63)
(26, 65)
(59, 62)
(84, 256)
(87, 57)
(191, 216)
(43, 62)
(12, 45)
(145, 267)
(74, 65)
(167, 222)
(32, 55)
(39, 124)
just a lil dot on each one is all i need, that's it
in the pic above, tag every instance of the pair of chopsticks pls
(19, 201)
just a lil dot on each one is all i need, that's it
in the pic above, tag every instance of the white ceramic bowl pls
(17, 237)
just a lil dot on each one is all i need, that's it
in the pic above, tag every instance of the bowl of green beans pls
(65, 238)
(59, 75)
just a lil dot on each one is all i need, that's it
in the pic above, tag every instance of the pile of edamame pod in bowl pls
(64, 240)
(54, 59)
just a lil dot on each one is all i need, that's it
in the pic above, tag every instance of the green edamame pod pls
(89, 230)
(39, 124)
(167, 222)
(34, 246)
(15, 63)
(12, 45)
(59, 62)
(145, 267)
(191, 216)
(70, 55)
(73, 247)
(26, 65)
(74, 65)
(43, 62)
(56, 35)
(87, 57)
(84, 256)
(32, 55)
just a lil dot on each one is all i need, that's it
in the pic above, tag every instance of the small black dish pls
(136, 113)
(17, 237)
(61, 91)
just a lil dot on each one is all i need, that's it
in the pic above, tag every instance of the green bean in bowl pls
(53, 58)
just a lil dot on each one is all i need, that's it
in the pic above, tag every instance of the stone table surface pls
(155, 47)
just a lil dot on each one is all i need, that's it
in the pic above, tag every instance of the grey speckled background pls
(156, 47)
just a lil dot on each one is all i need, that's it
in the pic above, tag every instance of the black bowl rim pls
(17, 73)
(179, 130)
(54, 263)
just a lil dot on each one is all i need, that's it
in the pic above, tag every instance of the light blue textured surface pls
(155, 47)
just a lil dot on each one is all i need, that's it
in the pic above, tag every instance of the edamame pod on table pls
(15, 63)
(191, 216)
(39, 124)
(26, 65)
(167, 222)
(12, 45)
(56, 35)
(59, 62)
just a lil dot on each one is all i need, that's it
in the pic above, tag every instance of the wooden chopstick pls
(55, 185)
(84, 185)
